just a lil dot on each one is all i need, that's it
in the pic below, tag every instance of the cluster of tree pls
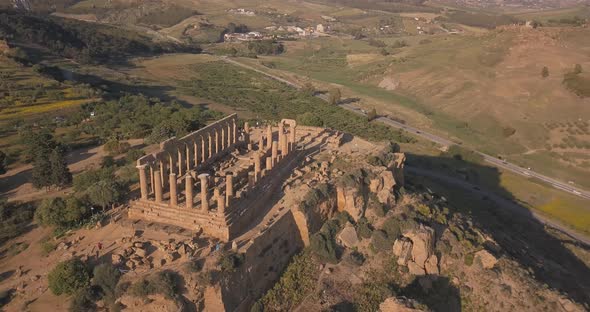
(86, 42)
(168, 16)
(136, 116)
(236, 28)
(377, 43)
(266, 47)
(574, 21)
(483, 20)
(48, 158)
(576, 82)
(14, 217)
(388, 5)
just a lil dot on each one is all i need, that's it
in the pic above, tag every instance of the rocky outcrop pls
(401, 304)
(348, 237)
(351, 201)
(486, 259)
(383, 187)
(416, 251)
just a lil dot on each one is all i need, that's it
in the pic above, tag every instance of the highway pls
(563, 186)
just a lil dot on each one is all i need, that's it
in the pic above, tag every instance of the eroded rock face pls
(393, 304)
(348, 237)
(383, 186)
(486, 259)
(431, 265)
(402, 249)
(422, 243)
(351, 201)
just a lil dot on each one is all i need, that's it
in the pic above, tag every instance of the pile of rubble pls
(142, 255)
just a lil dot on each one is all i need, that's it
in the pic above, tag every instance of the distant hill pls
(79, 40)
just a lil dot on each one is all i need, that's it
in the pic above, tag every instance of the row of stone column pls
(285, 145)
(204, 147)
(223, 200)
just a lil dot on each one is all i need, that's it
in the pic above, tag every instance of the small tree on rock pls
(545, 72)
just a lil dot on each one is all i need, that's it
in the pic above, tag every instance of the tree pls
(68, 276)
(372, 114)
(308, 89)
(545, 72)
(310, 119)
(103, 193)
(41, 174)
(60, 173)
(61, 213)
(334, 96)
(577, 69)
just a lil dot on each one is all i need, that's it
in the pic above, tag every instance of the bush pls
(106, 278)
(67, 277)
(325, 247)
(133, 155)
(14, 218)
(230, 261)
(468, 260)
(83, 300)
(310, 119)
(266, 47)
(114, 147)
(392, 228)
(47, 246)
(363, 228)
(163, 283)
(545, 72)
(377, 43)
(295, 283)
(381, 242)
(61, 213)
(372, 114)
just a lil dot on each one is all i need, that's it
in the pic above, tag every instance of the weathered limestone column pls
(143, 182)
(285, 146)
(234, 131)
(268, 137)
(196, 152)
(180, 164)
(217, 145)
(158, 186)
(162, 172)
(274, 153)
(281, 135)
(229, 187)
(292, 137)
(203, 150)
(152, 180)
(261, 144)
(188, 158)
(210, 145)
(204, 186)
(229, 136)
(173, 194)
(268, 163)
(223, 147)
(188, 181)
(246, 127)
(256, 166)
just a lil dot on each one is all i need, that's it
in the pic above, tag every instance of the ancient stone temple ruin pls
(213, 178)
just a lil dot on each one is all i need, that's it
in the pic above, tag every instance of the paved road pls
(501, 201)
(563, 186)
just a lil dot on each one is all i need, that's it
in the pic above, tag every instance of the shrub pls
(47, 246)
(324, 246)
(508, 131)
(310, 119)
(114, 147)
(357, 258)
(363, 228)
(545, 72)
(68, 277)
(133, 155)
(106, 277)
(577, 69)
(295, 283)
(308, 89)
(381, 242)
(230, 261)
(163, 283)
(372, 114)
(83, 300)
(468, 260)
(369, 295)
(377, 43)
(61, 213)
(266, 47)
(334, 96)
(392, 228)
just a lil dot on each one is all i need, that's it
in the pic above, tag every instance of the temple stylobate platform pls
(214, 178)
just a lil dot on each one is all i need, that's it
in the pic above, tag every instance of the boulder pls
(431, 265)
(140, 252)
(422, 243)
(393, 304)
(116, 259)
(486, 259)
(138, 244)
(402, 249)
(416, 269)
(351, 201)
(385, 194)
(348, 237)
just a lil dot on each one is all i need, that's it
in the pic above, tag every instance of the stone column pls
(204, 186)
(221, 205)
(196, 153)
(223, 140)
(292, 137)
(234, 131)
(152, 180)
(180, 164)
(274, 153)
(229, 136)
(268, 137)
(203, 150)
(188, 181)
(281, 135)
(143, 182)
(261, 144)
(229, 187)
(284, 147)
(217, 145)
(210, 145)
(246, 127)
(256, 166)
(173, 194)
(158, 186)
(268, 163)
(188, 158)
(163, 173)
